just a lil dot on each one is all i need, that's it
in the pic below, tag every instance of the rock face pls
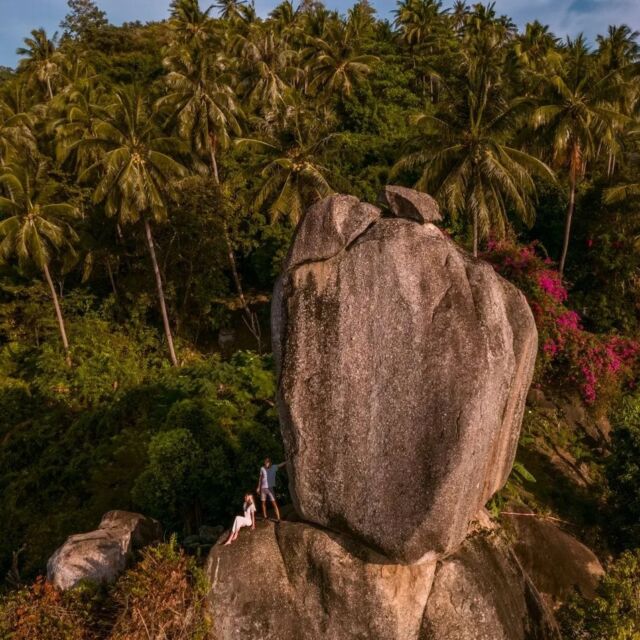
(411, 204)
(404, 366)
(482, 593)
(101, 555)
(556, 562)
(296, 582)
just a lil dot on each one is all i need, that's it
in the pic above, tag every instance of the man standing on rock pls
(267, 486)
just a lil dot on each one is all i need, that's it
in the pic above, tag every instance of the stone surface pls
(411, 204)
(330, 225)
(557, 563)
(101, 555)
(403, 365)
(296, 582)
(482, 593)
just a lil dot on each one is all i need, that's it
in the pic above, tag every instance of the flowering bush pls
(597, 364)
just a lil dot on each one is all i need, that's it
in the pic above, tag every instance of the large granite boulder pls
(482, 593)
(403, 365)
(101, 555)
(557, 563)
(293, 581)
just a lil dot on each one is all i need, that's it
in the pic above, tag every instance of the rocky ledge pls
(294, 581)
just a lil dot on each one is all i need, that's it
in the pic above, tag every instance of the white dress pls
(246, 520)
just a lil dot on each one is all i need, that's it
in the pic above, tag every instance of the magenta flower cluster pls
(594, 363)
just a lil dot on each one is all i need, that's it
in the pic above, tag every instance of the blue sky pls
(564, 16)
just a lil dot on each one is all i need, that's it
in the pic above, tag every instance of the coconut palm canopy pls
(155, 162)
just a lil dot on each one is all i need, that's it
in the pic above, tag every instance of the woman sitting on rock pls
(246, 520)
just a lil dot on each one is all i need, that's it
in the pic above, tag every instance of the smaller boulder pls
(140, 529)
(101, 555)
(411, 204)
(557, 563)
(329, 226)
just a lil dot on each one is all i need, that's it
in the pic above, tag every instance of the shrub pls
(161, 597)
(62, 468)
(615, 613)
(41, 611)
(623, 472)
(598, 364)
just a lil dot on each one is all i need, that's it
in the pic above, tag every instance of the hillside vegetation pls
(151, 177)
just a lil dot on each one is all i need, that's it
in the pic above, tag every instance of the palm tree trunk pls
(163, 306)
(569, 217)
(214, 162)
(111, 278)
(56, 304)
(250, 318)
(475, 234)
(49, 89)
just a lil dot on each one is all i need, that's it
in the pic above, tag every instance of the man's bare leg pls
(264, 509)
(275, 507)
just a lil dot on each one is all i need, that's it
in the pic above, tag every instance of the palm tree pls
(202, 101)
(622, 193)
(189, 23)
(40, 59)
(334, 62)
(464, 152)
(135, 175)
(231, 10)
(284, 18)
(361, 20)
(421, 27)
(16, 135)
(81, 111)
(579, 104)
(467, 163)
(619, 48)
(293, 177)
(34, 226)
(628, 191)
(459, 13)
(537, 49)
(265, 70)
(618, 52)
(419, 22)
(207, 112)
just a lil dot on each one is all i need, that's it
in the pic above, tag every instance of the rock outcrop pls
(293, 581)
(557, 563)
(482, 593)
(101, 555)
(404, 366)
(411, 204)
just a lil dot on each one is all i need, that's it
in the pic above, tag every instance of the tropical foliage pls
(151, 177)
